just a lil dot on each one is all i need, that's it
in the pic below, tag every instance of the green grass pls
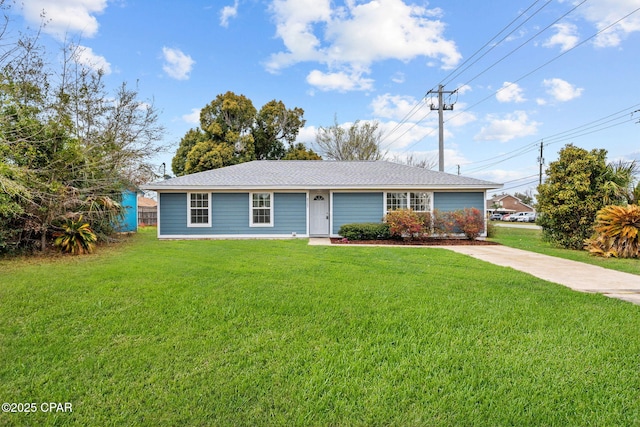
(531, 240)
(268, 333)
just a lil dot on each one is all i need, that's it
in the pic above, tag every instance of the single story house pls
(290, 198)
(506, 203)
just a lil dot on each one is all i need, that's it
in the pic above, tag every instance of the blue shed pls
(129, 222)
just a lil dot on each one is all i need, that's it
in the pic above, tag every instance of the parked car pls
(506, 217)
(527, 217)
(495, 217)
(516, 216)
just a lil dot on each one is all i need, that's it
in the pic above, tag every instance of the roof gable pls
(309, 174)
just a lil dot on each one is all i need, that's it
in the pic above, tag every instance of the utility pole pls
(541, 161)
(441, 108)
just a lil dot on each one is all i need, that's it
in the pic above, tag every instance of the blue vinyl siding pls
(453, 201)
(290, 213)
(230, 215)
(356, 207)
(173, 216)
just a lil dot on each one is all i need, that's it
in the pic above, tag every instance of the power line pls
(620, 117)
(546, 63)
(524, 43)
(549, 140)
(450, 77)
(419, 105)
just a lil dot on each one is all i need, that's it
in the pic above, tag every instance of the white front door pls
(319, 214)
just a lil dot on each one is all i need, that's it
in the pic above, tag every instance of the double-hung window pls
(199, 211)
(261, 214)
(419, 201)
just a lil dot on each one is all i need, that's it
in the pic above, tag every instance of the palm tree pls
(619, 183)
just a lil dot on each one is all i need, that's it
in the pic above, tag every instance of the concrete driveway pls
(572, 274)
(575, 275)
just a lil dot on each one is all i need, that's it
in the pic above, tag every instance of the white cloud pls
(65, 16)
(464, 89)
(458, 117)
(398, 136)
(193, 117)
(177, 64)
(514, 125)
(394, 106)
(358, 34)
(561, 90)
(566, 37)
(603, 13)
(340, 81)
(509, 176)
(398, 78)
(510, 92)
(307, 135)
(227, 13)
(85, 56)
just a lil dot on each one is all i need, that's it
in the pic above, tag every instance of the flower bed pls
(415, 242)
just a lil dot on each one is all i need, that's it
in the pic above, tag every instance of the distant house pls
(506, 203)
(276, 199)
(147, 211)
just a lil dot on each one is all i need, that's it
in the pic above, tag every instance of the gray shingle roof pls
(301, 174)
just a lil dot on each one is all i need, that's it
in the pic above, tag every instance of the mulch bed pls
(421, 242)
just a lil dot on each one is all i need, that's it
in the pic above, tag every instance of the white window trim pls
(408, 193)
(189, 223)
(271, 200)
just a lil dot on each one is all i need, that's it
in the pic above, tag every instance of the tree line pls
(68, 145)
(232, 131)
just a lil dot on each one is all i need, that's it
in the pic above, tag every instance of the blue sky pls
(556, 71)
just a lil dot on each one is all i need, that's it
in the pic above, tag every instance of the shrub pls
(426, 219)
(617, 232)
(491, 229)
(365, 231)
(470, 221)
(405, 223)
(76, 237)
(443, 223)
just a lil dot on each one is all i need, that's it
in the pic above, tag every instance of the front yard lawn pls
(264, 333)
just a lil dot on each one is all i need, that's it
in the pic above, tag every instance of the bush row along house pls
(278, 199)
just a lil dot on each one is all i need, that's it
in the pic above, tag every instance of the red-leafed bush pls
(470, 221)
(443, 223)
(405, 223)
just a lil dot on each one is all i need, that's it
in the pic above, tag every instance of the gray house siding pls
(452, 201)
(356, 207)
(230, 215)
